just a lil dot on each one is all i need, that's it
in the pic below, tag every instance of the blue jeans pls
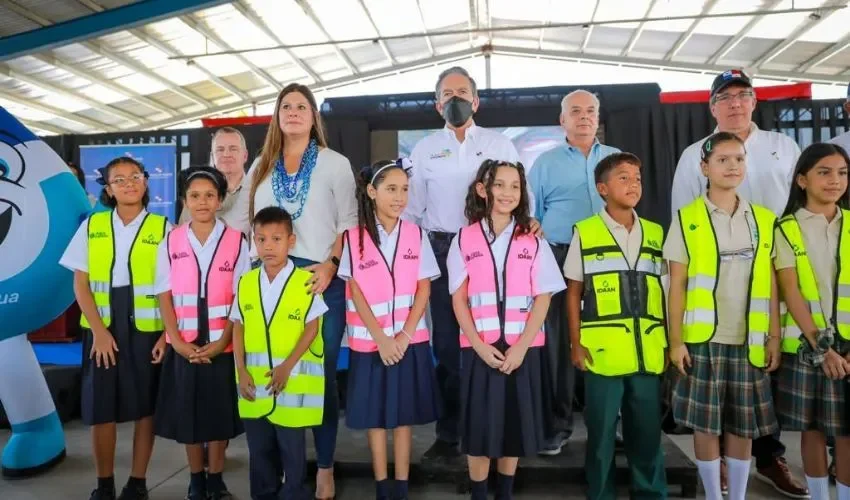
(333, 327)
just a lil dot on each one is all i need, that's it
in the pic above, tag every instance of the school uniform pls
(197, 402)
(623, 327)
(502, 415)
(726, 318)
(120, 262)
(273, 313)
(404, 394)
(806, 398)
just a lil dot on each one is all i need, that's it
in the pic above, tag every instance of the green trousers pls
(639, 399)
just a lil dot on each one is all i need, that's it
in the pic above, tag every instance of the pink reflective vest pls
(389, 290)
(186, 282)
(492, 316)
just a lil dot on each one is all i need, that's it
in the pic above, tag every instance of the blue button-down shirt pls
(564, 188)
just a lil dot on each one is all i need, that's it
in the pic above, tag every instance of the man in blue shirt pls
(564, 190)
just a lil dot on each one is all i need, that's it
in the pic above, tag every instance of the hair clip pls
(101, 179)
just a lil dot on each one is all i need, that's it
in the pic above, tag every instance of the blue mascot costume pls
(41, 206)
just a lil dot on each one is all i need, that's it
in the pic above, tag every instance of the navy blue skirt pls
(386, 397)
(127, 391)
(504, 415)
(198, 403)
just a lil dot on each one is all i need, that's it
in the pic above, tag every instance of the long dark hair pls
(374, 175)
(478, 208)
(808, 159)
(110, 201)
(191, 174)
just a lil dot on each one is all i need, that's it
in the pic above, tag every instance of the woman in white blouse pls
(299, 173)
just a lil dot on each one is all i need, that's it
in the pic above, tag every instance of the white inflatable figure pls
(41, 206)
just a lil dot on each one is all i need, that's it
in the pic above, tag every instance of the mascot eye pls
(11, 164)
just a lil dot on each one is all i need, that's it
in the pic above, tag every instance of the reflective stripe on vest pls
(492, 317)
(808, 286)
(185, 280)
(301, 403)
(700, 320)
(142, 267)
(622, 318)
(389, 290)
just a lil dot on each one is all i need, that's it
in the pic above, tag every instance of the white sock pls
(739, 474)
(709, 473)
(818, 487)
(843, 491)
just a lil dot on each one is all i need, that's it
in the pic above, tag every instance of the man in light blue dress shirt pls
(564, 190)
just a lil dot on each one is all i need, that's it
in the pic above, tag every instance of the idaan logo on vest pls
(474, 255)
(367, 264)
(409, 255)
(295, 315)
(150, 239)
(99, 234)
(524, 255)
(605, 288)
(226, 268)
(179, 255)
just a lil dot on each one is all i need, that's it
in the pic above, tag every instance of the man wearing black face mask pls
(444, 165)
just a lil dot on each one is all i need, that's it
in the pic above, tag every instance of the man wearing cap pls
(771, 158)
(843, 140)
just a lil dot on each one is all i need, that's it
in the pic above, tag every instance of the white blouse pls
(428, 268)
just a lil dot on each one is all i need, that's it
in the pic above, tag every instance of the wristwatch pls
(335, 260)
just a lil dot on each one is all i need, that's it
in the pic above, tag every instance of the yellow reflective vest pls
(700, 322)
(302, 401)
(839, 316)
(622, 318)
(142, 266)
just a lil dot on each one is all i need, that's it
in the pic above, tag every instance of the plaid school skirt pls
(723, 392)
(808, 400)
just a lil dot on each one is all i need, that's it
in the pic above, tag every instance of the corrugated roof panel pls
(56, 11)
(207, 89)
(298, 27)
(288, 75)
(121, 41)
(701, 46)
(346, 19)
(748, 50)
(831, 28)
(12, 23)
(111, 4)
(609, 38)
(572, 36)
(654, 42)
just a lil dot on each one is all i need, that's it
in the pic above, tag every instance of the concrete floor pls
(168, 475)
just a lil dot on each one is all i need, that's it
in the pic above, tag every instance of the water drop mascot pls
(41, 206)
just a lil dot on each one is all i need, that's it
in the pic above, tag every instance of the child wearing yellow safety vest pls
(723, 318)
(279, 360)
(812, 246)
(113, 256)
(615, 309)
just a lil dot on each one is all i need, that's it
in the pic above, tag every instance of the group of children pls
(245, 354)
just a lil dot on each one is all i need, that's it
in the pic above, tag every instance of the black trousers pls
(274, 451)
(557, 348)
(446, 341)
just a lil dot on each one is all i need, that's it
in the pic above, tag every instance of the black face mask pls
(457, 111)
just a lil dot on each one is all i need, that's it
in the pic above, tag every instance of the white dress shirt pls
(428, 268)
(842, 140)
(330, 208)
(547, 274)
(771, 158)
(204, 253)
(76, 256)
(442, 171)
(270, 292)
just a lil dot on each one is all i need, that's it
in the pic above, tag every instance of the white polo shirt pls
(443, 168)
(842, 140)
(771, 158)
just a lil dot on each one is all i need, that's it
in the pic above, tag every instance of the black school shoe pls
(220, 495)
(197, 494)
(133, 493)
(101, 494)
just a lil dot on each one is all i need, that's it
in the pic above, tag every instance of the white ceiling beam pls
(249, 14)
(543, 24)
(382, 43)
(684, 37)
(425, 28)
(824, 55)
(326, 85)
(308, 11)
(589, 30)
(472, 21)
(740, 35)
(804, 27)
(5, 70)
(489, 21)
(636, 33)
(203, 30)
(60, 113)
(46, 127)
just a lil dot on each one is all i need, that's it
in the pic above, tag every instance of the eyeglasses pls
(120, 181)
(730, 98)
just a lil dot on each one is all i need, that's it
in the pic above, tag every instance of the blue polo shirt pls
(564, 188)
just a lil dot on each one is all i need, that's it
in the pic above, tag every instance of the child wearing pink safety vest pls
(388, 265)
(501, 278)
(198, 270)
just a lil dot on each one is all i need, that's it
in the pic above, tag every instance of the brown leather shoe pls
(724, 478)
(779, 476)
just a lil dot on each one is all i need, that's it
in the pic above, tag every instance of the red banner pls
(801, 90)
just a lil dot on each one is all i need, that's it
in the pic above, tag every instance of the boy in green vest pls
(278, 353)
(616, 316)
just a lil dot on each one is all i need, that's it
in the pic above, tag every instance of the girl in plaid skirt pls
(811, 248)
(723, 318)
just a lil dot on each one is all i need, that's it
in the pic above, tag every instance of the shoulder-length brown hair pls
(273, 145)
